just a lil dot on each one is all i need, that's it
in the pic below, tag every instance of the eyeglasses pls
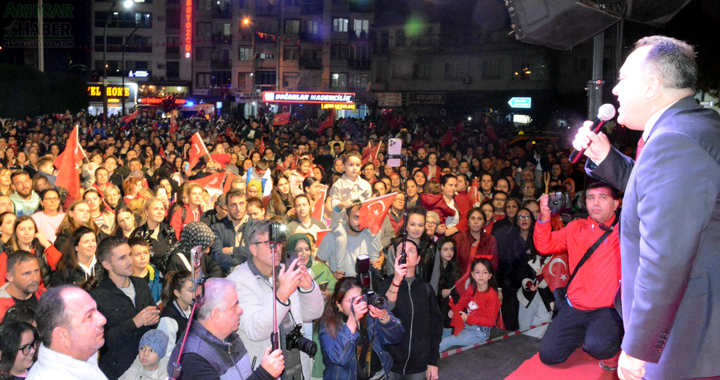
(524, 217)
(431, 223)
(262, 242)
(30, 346)
(528, 187)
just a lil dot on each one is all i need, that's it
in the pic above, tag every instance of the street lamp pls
(122, 68)
(126, 4)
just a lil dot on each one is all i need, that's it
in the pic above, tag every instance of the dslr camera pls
(559, 202)
(362, 268)
(295, 339)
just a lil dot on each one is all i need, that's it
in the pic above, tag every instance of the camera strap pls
(592, 249)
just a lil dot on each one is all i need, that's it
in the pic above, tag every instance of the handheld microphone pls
(605, 112)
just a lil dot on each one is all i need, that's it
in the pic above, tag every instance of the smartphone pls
(289, 257)
(394, 149)
(187, 166)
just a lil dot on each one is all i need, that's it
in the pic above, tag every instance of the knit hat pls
(156, 339)
(197, 233)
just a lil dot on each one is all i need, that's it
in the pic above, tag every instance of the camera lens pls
(307, 346)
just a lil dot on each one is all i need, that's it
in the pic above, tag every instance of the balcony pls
(311, 37)
(219, 38)
(360, 64)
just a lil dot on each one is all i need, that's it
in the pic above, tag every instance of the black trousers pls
(600, 331)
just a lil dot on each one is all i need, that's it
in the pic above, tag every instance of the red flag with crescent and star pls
(327, 123)
(197, 150)
(319, 209)
(373, 212)
(213, 181)
(68, 164)
(131, 117)
(555, 272)
(173, 124)
(281, 118)
(370, 153)
(228, 181)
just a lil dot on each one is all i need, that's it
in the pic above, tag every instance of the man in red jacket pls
(587, 316)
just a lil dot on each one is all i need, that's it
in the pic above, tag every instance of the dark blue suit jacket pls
(670, 243)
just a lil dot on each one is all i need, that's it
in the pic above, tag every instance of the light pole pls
(122, 69)
(126, 4)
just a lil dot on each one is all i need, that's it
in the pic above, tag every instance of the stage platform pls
(515, 358)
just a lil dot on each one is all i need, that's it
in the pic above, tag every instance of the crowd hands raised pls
(102, 286)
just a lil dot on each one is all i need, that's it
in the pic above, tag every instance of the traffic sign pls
(520, 102)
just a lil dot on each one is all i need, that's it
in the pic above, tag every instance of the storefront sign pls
(337, 106)
(309, 97)
(95, 92)
(160, 101)
(188, 27)
(427, 98)
(389, 99)
(247, 97)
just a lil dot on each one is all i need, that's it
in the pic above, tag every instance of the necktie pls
(641, 144)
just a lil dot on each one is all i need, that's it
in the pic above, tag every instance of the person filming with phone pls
(298, 299)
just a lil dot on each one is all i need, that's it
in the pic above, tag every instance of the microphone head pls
(606, 112)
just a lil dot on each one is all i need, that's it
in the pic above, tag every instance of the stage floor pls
(491, 361)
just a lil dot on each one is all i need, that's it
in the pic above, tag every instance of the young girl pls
(352, 344)
(448, 274)
(303, 171)
(177, 297)
(477, 310)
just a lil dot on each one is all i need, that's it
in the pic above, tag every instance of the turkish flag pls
(447, 139)
(173, 124)
(131, 117)
(373, 212)
(473, 192)
(281, 118)
(319, 236)
(396, 121)
(213, 181)
(68, 164)
(261, 147)
(228, 180)
(370, 154)
(319, 209)
(556, 272)
(197, 150)
(162, 152)
(328, 122)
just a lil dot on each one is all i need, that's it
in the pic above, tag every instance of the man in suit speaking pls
(670, 222)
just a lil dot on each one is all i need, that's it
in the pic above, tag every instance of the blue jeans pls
(467, 337)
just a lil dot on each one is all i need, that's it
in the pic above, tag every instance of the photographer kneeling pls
(353, 346)
(298, 300)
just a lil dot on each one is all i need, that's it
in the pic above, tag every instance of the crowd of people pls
(471, 203)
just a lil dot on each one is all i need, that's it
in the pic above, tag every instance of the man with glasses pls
(298, 299)
(230, 247)
(529, 191)
(586, 317)
(71, 330)
(24, 282)
(213, 333)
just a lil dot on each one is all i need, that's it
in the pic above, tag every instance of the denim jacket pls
(339, 354)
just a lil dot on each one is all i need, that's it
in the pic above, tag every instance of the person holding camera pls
(353, 346)
(212, 349)
(298, 299)
(586, 316)
(413, 301)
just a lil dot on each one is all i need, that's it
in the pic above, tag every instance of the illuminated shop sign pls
(336, 106)
(188, 27)
(160, 101)
(309, 97)
(95, 92)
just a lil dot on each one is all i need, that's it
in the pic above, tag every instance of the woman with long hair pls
(281, 200)
(78, 263)
(5, 182)
(474, 242)
(124, 222)
(177, 299)
(77, 215)
(159, 234)
(49, 217)
(22, 163)
(18, 345)
(27, 238)
(353, 334)
(7, 221)
(98, 212)
(512, 205)
(448, 275)
(432, 170)
(421, 180)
